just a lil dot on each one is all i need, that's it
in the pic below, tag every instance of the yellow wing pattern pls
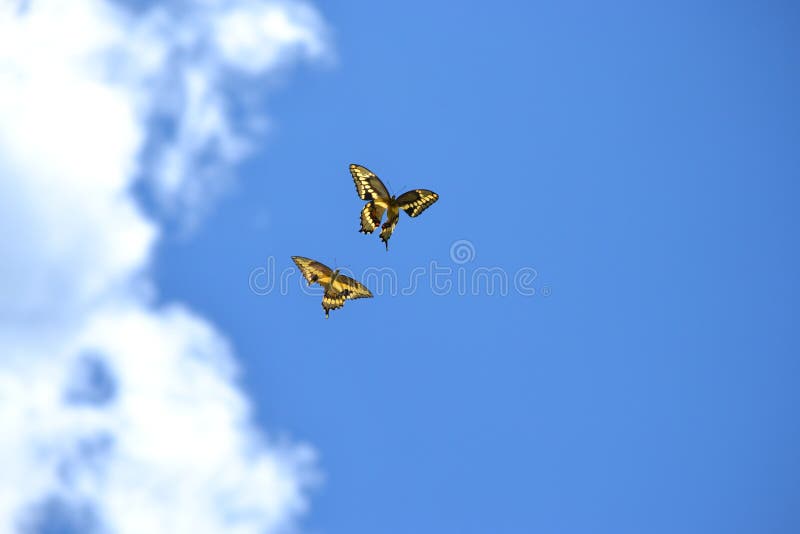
(338, 287)
(331, 301)
(416, 201)
(350, 289)
(343, 288)
(368, 185)
(371, 217)
(370, 188)
(313, 271)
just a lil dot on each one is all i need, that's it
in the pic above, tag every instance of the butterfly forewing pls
(350, 289)
(368, 185)
(416, 201)
(313, 271)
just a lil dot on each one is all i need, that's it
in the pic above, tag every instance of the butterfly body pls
(370, 188)
(337, 287)
(329, 285)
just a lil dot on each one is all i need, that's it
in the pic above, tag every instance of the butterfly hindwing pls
(416, 201)
(343, 288)
(371, 217)
(332, 301)
(368, 185)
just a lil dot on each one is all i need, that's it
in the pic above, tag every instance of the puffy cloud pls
(137, 419)
(118, 415)
(69, 141)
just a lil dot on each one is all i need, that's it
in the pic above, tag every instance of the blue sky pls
(642, 157)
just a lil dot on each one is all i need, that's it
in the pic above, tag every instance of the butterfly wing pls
(332, 301)
(313, 271)
(371, 216)
(416, 201)
(350, 289)
(343, 288)
(368, 185)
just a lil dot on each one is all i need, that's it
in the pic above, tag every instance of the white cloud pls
(173, 447)
(253, 35)
(116, 414)
(220, 40)
(68, 148)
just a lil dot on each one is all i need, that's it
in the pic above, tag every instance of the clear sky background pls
(642, 157)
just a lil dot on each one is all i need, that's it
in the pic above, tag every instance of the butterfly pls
(370, 187)
(338, 287)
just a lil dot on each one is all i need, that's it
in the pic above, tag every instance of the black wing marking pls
(312, 270)
(351, 289)
(416, 201)
(371, 217)
(368, 185)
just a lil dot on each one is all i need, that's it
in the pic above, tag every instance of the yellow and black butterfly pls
(338, 287)
(370, 187)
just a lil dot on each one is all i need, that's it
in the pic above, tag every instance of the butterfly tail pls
(332, 301)
(387, 229)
